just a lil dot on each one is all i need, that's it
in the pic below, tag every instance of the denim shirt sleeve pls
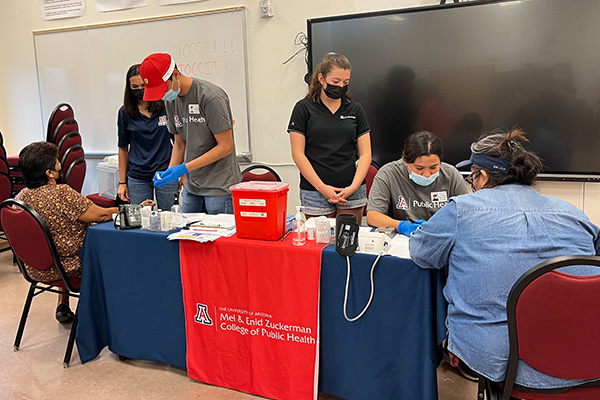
(431, 243)
(597, 241)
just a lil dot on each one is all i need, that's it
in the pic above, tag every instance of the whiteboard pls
(86, 67)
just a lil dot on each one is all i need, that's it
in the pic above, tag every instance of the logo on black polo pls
(202, 316)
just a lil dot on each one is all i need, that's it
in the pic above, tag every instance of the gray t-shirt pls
(395, 195)
(197, 116)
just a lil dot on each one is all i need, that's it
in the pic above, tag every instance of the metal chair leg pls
(71, 341)
(24, 315)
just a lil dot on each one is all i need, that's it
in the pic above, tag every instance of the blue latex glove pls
(170, 175)
(407, 227)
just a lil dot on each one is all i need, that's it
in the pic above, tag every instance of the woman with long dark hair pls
(144, 145)
(331, 143)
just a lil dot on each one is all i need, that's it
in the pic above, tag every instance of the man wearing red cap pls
(199, 115)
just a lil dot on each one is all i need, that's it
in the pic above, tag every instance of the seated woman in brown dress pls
(66, 212)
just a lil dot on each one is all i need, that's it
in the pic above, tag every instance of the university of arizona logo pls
(178, 122)
(162, 120)
(202, 316)
(402, 204)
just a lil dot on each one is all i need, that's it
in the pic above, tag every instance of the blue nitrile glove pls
(407, 227)
(170, 175)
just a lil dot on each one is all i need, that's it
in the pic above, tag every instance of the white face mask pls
(421, 180)
(171, 95)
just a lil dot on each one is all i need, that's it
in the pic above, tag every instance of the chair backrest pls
(6, 186)
(371, 172)
(70, 139)
(72, 154)
(268, 174)
(553, 320)
(30, 239)
(370, 176)
(60, 112)
(65, 126)
(4, 166)
(76, 174)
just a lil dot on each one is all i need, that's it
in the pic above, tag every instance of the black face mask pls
(60, 174)
(138, 93)
(335, 92)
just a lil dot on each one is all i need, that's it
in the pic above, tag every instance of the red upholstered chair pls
(5, 186)
(553, 326)
(13, 169)
(70, 155)
(70, 139)
(65, 126)
(33, 245)
(268, 174)
(373, 168)
(60, 112)
(4, 167)
(6, 189)
(75, 174)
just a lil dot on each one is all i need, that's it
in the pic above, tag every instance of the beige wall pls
(273, 87)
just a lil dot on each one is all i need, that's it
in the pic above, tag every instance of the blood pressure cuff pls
(346, 234)
(130, 216)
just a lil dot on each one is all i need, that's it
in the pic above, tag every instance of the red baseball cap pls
(156, 69)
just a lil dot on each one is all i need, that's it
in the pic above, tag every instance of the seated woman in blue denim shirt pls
(487, 240)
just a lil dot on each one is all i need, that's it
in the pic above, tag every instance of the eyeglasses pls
(469, 179)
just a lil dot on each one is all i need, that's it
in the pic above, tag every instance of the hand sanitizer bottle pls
(176, 208)
(178, 220)
(299, 228)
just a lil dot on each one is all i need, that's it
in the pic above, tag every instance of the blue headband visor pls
(486, 162)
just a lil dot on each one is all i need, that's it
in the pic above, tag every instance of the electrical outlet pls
(266, 8)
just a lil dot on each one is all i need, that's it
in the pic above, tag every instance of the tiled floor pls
(36, 372)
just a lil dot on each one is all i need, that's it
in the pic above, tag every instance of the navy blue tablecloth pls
(131, 301)
(131, 297)
(392, 351)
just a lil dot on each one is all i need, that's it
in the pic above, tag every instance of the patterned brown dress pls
(59, 206)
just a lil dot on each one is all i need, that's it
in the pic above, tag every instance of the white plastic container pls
(108, 179)
(371, 242)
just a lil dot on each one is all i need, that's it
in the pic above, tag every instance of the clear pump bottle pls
(299, 228)
(178, 219)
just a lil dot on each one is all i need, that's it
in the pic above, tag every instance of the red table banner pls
(252, 315)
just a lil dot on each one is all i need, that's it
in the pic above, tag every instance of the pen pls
(284, 236)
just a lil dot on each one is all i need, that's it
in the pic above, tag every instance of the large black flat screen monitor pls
(463, 69)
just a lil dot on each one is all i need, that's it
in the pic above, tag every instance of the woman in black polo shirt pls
(144, 145)
(329, 133)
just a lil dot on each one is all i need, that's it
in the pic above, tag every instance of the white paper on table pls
(397, 246)
(226, 221)
(187, 234)
(191, 218)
